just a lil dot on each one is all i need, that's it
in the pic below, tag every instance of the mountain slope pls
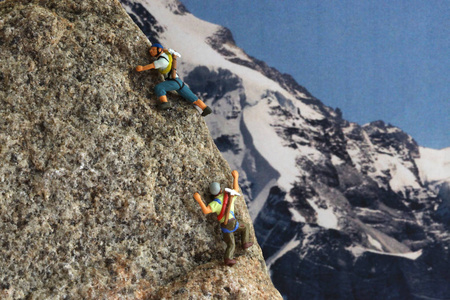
(335, 205)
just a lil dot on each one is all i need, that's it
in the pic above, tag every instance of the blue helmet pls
(157, 45)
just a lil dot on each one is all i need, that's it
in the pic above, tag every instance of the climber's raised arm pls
(205, 209)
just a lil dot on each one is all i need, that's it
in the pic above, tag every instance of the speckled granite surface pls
(95, 183)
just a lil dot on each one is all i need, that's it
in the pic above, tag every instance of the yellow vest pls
(169, 66)
(216, 206)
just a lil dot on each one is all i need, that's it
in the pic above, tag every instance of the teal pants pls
(162, 88)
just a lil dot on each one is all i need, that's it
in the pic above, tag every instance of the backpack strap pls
(163, 57)
(224, 206)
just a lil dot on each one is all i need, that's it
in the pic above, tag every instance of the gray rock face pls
(95, 184)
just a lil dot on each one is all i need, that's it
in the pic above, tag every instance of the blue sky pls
(375, 60)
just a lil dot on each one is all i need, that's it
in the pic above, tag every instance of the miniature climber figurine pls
(166, 64)
(223, 206)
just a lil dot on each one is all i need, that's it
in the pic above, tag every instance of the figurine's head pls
(214, 188)
(156, 49)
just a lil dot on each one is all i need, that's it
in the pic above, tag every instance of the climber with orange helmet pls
(166, 64)
(223, 206)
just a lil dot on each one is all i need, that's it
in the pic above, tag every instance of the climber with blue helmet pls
(166, 64)
(223, 206)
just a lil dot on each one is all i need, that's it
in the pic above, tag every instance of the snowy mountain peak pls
(434, 165)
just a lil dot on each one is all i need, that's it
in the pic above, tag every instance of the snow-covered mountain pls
(342, 211)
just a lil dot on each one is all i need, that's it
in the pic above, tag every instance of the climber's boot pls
(229, 262)
(163, 103)
(247, 245)
(206, 110)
